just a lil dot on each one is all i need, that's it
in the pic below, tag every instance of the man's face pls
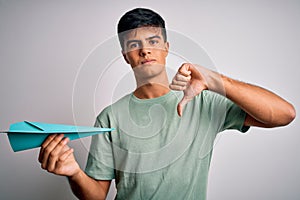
(145, 47)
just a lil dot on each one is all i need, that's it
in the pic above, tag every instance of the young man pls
(162, 145)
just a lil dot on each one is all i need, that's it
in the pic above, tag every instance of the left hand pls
(189, 80)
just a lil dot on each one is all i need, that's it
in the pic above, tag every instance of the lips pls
(148, 61)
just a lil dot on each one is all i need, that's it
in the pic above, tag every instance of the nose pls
(144, 50)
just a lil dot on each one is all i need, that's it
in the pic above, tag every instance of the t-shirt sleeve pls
(235, 118)
(100, 159)
(226, 113)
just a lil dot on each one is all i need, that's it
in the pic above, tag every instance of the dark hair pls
(140, 17)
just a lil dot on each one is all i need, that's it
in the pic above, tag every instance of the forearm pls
(84, 187)
(261, 104)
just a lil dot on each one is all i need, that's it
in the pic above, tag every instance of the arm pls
(263, 108)
(85, 187)
(57, 158)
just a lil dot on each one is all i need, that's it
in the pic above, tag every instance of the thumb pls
(182, 104)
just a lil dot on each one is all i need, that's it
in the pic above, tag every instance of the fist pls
(191, 81)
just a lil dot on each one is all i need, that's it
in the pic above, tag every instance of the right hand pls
(57, 157)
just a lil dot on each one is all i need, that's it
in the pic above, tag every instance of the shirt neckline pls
(154, 100)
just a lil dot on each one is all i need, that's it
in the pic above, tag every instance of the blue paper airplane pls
(27, 135)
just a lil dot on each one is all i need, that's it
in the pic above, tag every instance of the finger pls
(44, 145)
(177, 87)
(66, 154)
(181, 83)
(181, 105)
(185, 69)
(56, 153)
(49, 148)
(181, 77)
(180, 80)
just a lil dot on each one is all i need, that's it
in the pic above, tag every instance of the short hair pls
(137, 18)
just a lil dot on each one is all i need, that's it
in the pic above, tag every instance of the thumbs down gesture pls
(192, 80)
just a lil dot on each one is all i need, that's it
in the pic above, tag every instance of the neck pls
(152, 87)
(152, 81)
(151, 90)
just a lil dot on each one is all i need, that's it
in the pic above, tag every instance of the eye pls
(153, 42)
(133, 45)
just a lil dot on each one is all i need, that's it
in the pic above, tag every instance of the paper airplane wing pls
(27, 135)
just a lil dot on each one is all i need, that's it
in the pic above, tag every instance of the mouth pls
(148, 61)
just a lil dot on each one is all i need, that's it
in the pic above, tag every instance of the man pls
(162, 145)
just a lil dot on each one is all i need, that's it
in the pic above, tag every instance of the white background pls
(44, 43)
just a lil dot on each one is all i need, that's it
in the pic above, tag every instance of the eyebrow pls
(153, 37)
(149, 38)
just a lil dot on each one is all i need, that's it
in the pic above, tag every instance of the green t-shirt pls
(155, 154)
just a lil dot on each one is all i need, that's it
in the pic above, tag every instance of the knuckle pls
(181, 68)
(173, 80)
(47, 151)
(50, 169)
(43, 166)
(43, 146)
(52, 154)
(183, 65)
(61, 159)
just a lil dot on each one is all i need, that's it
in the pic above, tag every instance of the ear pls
(125, 57)
(167, 48)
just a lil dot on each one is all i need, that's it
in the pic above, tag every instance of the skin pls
(270, 111)
(146, 52)
(57, 157)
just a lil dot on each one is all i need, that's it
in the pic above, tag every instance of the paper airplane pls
(27, 135)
